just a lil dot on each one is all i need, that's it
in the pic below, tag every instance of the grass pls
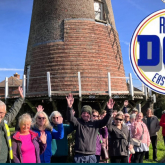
(12, 130)
(160, 149)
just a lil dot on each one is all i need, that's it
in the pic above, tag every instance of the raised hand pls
(20, 91)
(70, 100)
(59, 120)
(43, 137)
(126, 103)
(40, 108)
(110, 104)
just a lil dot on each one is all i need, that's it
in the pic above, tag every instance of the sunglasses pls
(126, 116)
(56, 117)
(41, 118)
(95, 116)
(118, 119)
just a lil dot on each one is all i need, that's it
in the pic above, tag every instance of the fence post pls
(49, 84)
(6, 88)
(24, 85)
(109, 85)
(142, 87)
(149, 92)
(145, 92)
(79, 84)
(131, 85)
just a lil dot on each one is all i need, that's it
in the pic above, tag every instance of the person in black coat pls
(119, 142)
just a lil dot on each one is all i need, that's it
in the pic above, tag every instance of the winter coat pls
(16, 141)
(137, 132)
(60, 147)
(119, 140)
(154, 125)
(162, 123)
(46, 156)
(9, 117)
(86, 132)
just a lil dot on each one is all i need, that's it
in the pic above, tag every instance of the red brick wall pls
(90, 48)
(12, 90)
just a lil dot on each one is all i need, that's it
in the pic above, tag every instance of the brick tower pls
(71, 36)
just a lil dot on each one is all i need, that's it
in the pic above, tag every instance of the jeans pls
(82, 158)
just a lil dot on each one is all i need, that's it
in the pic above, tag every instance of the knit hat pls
(86, 108)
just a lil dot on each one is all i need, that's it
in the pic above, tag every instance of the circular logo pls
(147, 51)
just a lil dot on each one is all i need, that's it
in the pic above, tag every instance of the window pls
(98, 8)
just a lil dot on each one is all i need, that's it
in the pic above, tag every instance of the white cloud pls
(10, 69)
(125, 42)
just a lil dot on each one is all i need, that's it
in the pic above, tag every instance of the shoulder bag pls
(137, 142)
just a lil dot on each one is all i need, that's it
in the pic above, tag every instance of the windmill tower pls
(71, 36)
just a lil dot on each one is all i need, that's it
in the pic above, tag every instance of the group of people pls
(43, 139)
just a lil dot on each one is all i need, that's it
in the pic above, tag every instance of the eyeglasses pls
(95, 116)
(118, 119)
(126, 116)
(41, 118)
(56, 117)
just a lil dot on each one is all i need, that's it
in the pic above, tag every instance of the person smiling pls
(86, 131)
(119, 141)
(26, 143)
(140, 132)
(6, 153)
(41, 124)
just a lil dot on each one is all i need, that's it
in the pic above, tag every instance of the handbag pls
(137, 142)
(104, 153)
(129, 151)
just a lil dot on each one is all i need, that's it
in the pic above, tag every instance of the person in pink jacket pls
(139, 131)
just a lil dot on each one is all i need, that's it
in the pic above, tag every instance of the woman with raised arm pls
(59, 147)
(26, 144)
(41, 124)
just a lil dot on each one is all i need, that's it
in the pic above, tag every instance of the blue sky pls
(15, 16)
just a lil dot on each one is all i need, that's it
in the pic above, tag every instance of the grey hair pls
(133, 116)
(127, 114)
(150, 109)
(120, 112)
(3, 104)
(23, 118)
(54, 113)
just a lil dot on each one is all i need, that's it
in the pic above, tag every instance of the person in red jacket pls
(162, 123)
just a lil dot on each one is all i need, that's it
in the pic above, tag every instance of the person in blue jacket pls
(41, 124)
(60, 147)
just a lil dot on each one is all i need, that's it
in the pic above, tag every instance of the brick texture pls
(79, 44)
